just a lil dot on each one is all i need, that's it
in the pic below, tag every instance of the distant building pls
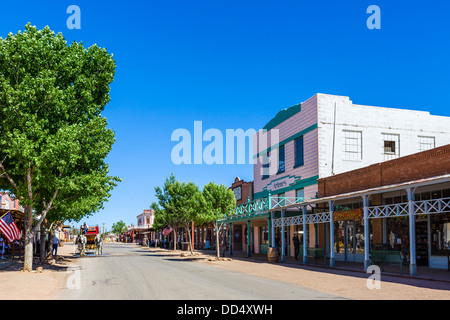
(144, 230)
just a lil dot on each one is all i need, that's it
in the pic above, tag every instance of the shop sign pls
(344, 215)
(282, 183)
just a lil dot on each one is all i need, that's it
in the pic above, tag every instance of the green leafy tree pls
(119, 227)
(179, 204)
(186, 203)
(163, 217)
(219, 201)
(53, 139)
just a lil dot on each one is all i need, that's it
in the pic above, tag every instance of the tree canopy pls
(53, 138)
(119, 227)
(220, 200)
(181, 204)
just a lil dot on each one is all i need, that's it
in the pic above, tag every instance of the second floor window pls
(352, 145)
(299, 156)
(266, 165)
(391, 146)
(281, 163)
(426, 143)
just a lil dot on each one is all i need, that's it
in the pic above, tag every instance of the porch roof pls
(393, 187)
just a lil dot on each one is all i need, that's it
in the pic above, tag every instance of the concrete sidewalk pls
(423, 273)
(347, 281)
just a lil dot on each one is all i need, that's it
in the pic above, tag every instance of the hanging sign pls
(345, 215)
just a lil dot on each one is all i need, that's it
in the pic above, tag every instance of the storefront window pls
(339, 237)
(264, 235)
(349, 236)
(440, 234)
(446, 193)
(398, 234)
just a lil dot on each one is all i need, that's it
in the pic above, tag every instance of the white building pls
(357, 135)
(318, 138)
(329, 134)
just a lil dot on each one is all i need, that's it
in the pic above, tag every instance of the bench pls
(383, 257)
(316, 253)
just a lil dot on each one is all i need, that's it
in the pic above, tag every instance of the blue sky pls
(235, 64)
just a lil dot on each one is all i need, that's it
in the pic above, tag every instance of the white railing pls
(321, 217)
(288, 221)
(431, 206)
(390, 210)
(434, 206)
(318, 217)
(280, 202)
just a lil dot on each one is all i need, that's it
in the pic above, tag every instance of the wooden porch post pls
(412, 233)
(305, 236)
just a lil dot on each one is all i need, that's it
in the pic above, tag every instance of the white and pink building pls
(144, 230)
(321, 137)
(329, 134)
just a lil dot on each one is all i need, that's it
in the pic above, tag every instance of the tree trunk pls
(50, 233)
(28, 252)
(175, 238)
(189, 238)
(217, 241)
(42, 246)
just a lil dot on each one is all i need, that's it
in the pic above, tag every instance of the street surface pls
(127, 271)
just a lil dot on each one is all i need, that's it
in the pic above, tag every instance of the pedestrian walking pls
(55, 245)
(225, 243)
(277, 244)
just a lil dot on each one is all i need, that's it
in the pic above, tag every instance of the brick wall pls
(426, 164)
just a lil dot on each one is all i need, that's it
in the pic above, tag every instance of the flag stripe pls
(9, 228)
(5, 230)
(167, 231)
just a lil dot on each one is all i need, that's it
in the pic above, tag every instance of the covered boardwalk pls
(409, 211)
(395, 212)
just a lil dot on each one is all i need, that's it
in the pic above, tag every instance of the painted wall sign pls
(238, 193)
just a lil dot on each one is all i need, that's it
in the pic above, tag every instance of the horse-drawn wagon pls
(90, 238)
(90, 234)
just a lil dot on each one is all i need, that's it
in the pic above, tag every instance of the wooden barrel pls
(272, 255)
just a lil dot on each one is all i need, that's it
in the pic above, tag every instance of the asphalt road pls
(128, 272)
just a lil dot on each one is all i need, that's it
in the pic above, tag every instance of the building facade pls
(143, 233)
(401, 206)
(328, 135)
(240, 228)
(322, 137)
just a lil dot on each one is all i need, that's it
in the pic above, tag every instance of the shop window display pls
(440, 234)
(264, 235)
(398, 235)
(349, 235)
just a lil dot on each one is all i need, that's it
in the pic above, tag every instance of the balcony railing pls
(262, 205)
(434, 206)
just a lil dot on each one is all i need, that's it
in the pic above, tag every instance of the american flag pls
(167, 231)
(8, 227)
